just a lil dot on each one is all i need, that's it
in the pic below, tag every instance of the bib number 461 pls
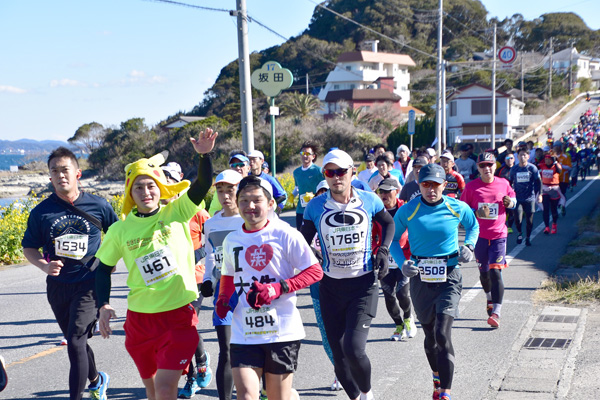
(156, 266)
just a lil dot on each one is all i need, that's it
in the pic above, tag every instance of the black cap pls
(420, 161)
(486, 158)
(370, 157)
(389, 184)
(432, 172)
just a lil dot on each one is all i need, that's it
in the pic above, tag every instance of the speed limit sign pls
(507, 54)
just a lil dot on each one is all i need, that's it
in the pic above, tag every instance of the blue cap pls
(240, 157)
(432, 172)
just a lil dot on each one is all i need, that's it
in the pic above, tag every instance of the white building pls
(562, 59)
(470, 117)
(182, 121)
(361, 70)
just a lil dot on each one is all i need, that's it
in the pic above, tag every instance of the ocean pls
(6, 160)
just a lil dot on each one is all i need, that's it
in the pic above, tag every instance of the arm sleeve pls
(226, 287)
(305, 278)
(537, 182)
(387, 226)
(469, 222)
(202, 184)
(103, 284)
(399, 229)
(308, 230)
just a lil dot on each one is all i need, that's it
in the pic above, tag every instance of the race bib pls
(493, 207)
(216, 272)
(71, 246)
(391, 262)
(346, 246)
(260, 323)
(433, 270)
(305, 198)
(156, 266)
(547, 173)
(522, 177)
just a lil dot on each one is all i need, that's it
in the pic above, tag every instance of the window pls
(482, 107)
(348, 68)
(453, 108)
(336, 87)
(352, 86)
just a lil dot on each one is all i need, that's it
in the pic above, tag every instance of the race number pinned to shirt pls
(433, 270)
(547, 173)
(262, 322)
(391, 262)
(522, 177)
(156, 266)
(493, 210)
(71, 246)
(346, 245)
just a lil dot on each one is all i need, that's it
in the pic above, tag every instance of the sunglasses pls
(330, 173)
(484, 165)
(237, 165)
(429, 184)
(306, 153)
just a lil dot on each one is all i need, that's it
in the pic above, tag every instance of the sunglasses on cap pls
(237, 165)
(330, 173)
(306, 153)
(429, 184)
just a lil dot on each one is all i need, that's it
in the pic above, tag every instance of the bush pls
(287, 181)
(13, 222)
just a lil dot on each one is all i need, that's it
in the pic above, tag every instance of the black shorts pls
(275, 358)
(74, 306)
(430, 299)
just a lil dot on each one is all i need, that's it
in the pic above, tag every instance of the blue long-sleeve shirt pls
(433, 230)
(526, 181)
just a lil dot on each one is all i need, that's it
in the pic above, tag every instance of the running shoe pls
(489, 308)
(3, 375)
(519, 239)
(494, 320)
(553, 231)
(510, 231)
(98, 392)
(398, 333)
(336, 385)
(205, 374)
(263, 395)
(367, 396)
(445, 396)
(436, 388)
(527, 242)
(546, 230)
(410, 328)
(190, 389)
(63, 342)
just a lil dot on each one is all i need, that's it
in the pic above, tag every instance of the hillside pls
(466, 30)
(29, 146)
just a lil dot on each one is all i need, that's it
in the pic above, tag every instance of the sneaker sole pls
(493, 323)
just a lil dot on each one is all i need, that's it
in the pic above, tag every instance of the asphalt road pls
(38, 365)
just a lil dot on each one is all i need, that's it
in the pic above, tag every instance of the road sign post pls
(411, 126)
(271, 79)
(507, 56)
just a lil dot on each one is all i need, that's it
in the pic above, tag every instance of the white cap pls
(256, 154)
(174, 171)
(339, 158)
(229, 176)
(431, 152)
(322, 185)
(448, 155)
(402, 147)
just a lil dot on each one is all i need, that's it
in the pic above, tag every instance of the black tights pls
(397, 302)
(199, 355)
(550, 205)
(527, 208)
(438, 348)
(83, 365)
(224, 374)
(491, 281)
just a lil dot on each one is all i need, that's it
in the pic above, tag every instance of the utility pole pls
(307, 83)
(444, 116)
(522, 80)
(244, 71)
(438, 111)
(571, 70)
(550, 72)
(494, 93)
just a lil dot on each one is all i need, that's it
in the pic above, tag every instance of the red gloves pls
(222, 306)
(261, 294)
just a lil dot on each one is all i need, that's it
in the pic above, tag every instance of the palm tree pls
(300, 106)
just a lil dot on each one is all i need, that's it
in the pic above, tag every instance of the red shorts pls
(165, 340)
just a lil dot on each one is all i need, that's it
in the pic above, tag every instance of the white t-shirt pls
(268, 255)
(215, 230)
(366, 174)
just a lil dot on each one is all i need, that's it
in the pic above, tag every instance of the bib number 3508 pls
(433, 270)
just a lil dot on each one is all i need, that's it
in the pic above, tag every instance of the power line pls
(177, 3)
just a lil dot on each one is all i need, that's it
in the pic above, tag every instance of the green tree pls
(298, 105)
(423, 137)
(88, 137)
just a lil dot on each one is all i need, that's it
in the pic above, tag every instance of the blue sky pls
(69, 62)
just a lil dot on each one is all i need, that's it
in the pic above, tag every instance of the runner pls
(395, 285)
(432, 220)
(550, 172)
(369, 170)
(68, 226)
(155, 244)
(466, 166)
(239, 162)
(384, 170)
(3, 375)
(525, 179)
(403, 162)
(411, 189)
(215, 230)
(306, 178)
(201, 376)
(348, 291)
(259, 262)
(455, 183)
(490, 197)
(256, 161)
(564, 160)
(504, 172)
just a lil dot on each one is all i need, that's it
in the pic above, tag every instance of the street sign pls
(411, 122)
(271, 78)
(507, 54)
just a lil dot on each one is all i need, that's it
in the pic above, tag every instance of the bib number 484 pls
(260, 321)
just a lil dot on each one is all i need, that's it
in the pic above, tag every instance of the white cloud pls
(11, 89)
(136, 77)
(66, 83)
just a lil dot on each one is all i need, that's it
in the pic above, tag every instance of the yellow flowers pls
(13, 222)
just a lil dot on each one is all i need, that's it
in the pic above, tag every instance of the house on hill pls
(182, 121)
(561, 61)
(470, 114)
(365, 78)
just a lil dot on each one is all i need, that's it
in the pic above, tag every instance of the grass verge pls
(580, 258)
(568, 292)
